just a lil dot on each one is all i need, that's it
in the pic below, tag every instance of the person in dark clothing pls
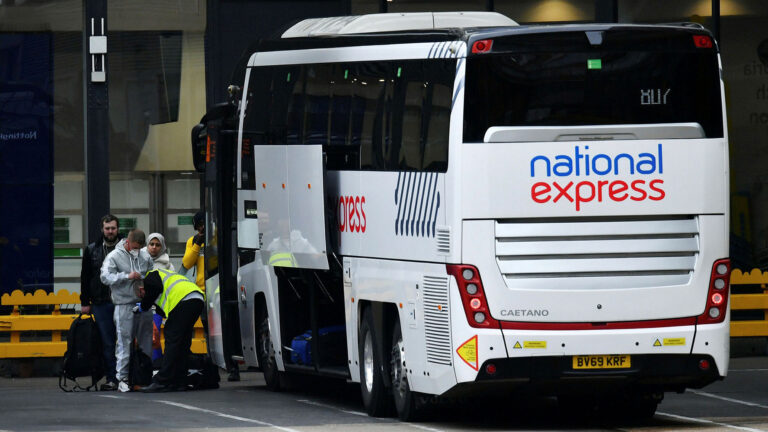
(181, 302)
(95, 296)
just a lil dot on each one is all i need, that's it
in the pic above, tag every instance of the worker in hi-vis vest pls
(181, 302)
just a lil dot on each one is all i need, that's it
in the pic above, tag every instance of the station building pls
(166, 61)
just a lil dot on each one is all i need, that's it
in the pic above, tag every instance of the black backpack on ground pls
(202, 373)
(84, 356)
(139, 368)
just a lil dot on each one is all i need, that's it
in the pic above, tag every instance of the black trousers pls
(178, 331)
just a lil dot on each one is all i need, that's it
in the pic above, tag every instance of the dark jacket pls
(92, 291)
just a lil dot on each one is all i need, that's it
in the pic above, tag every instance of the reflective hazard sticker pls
(674, 341)
(517, 345)
(468, 352)
(657, 343)
(534, 344)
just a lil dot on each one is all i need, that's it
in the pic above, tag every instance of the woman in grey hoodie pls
(159, 253)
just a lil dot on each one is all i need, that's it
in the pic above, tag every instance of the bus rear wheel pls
(375, 396)
(409, 404)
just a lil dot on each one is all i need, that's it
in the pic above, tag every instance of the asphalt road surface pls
(36, 404)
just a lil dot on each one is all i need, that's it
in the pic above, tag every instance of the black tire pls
(409, 404)
(266, 352)
(376, 398)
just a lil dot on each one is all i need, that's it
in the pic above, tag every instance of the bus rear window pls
(576, 84)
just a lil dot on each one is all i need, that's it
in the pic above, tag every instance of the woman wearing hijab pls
(159, 253)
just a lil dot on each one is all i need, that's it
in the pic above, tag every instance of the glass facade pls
(156, 78)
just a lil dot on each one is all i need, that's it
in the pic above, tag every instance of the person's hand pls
(85, 310)
(134, 275)
(137, 308)
(198, 239)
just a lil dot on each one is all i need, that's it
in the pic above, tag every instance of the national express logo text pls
(594, 172)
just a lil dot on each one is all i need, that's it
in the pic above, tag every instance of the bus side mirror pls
(199, 142)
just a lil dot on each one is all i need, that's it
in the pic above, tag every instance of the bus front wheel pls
(266, 353)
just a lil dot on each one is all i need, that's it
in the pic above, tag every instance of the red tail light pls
(482, 46)
(717, 297)
(702, 41)
(472, 295)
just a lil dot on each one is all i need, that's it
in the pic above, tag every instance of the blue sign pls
(26, 162)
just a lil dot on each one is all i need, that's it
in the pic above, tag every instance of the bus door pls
(290, 194)
(214, 148)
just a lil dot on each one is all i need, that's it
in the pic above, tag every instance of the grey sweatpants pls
(129, 326)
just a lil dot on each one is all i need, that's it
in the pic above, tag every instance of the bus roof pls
(395, 22)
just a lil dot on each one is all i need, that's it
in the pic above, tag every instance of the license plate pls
(601, 362)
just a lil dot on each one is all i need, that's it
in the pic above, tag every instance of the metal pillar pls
(607, 11)
(716, 19)
(96, 114)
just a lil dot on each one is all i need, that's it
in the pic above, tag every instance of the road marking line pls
(229, 416)
(111, 396)
(426, 428)
(362, 414)
(322, 405)
(714, 396)
(710, 422)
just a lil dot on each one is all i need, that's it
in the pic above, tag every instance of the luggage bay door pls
(290, 192)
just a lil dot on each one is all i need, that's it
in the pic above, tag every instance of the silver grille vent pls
(598, 253)
(443, 240)
(437, 320)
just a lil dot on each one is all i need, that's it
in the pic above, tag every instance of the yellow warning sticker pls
(468, 352)
(674, 341)
(534, 344)
(517, 345)
(657, 343)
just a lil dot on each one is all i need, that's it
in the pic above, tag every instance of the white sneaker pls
(123, 387)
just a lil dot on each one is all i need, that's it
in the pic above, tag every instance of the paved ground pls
(36, 404)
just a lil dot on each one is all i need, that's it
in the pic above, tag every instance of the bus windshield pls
(612, 77)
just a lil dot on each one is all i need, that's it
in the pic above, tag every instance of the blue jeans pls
(103, 314)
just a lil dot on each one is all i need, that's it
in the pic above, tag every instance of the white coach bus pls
(450, 203)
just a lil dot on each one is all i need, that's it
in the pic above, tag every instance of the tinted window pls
(383, 116)
(561, 80)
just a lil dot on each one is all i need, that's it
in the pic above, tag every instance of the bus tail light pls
(702, 41)
(472, 295)
(482, 46)
(717, 296)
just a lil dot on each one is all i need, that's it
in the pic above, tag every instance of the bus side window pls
(437, 115)
(295, 81)
(343, 151)
(410, 81)
(317, 106)
(369, 87)
(284, 80)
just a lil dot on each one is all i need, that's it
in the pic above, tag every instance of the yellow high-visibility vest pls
(282, 259)
(175, 288)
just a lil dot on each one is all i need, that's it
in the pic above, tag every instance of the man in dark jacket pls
(95, 296)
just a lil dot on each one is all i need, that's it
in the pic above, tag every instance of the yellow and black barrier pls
(755, 302)
(19, 324)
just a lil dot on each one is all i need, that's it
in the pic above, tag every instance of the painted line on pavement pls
(714, 396)
(362, 414)
(229, 416)
(322, 405)
(111, 396)
(709, 422)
